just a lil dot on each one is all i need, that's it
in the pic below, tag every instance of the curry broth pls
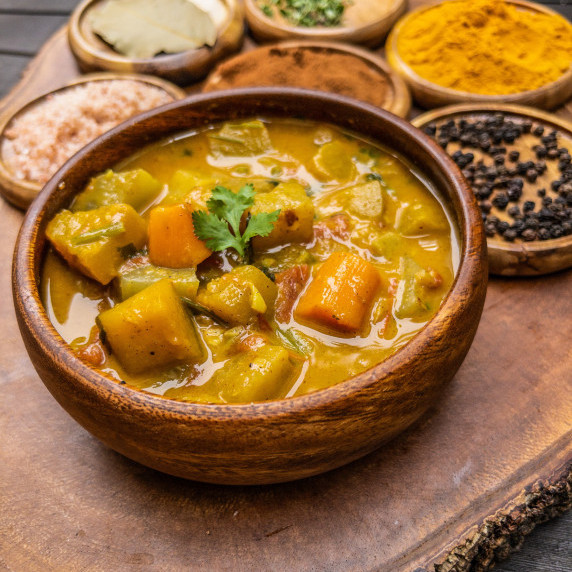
(385, 236)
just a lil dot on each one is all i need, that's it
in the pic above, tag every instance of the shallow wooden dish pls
(365, 22)
(429, 95)
(183, 68)
(517, 258)
(22, 192)
(269, 441)
(227, 75)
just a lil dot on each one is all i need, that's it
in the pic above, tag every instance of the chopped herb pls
(374, 177)
(220, 227)
(308, 13)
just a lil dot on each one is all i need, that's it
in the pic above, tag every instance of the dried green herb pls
(307, 13)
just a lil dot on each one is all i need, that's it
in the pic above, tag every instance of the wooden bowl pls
(429, 95)
(21, 192)
(365, 22)
(182, 68)
(228, 74)
(518, 258)
(272, 441)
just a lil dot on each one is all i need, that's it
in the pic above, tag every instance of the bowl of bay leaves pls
(276, 397)
(179, 40)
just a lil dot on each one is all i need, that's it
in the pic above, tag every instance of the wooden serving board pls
(459, 489)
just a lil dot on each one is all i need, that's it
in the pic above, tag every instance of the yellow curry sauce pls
(350, 211)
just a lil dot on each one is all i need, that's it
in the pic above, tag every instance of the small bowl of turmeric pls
(468, 51)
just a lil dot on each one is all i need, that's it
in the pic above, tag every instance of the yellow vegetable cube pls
(296, 219)
(334, 161)
(90, 241)
(240, 140)
(151, 329)
(421, 217)
(253, 376)
(136, 188)
(239, 295)
(366, 200)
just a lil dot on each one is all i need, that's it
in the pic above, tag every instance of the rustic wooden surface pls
(499, 440)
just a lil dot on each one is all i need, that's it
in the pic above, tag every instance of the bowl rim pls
(30, 247)
(417, 81)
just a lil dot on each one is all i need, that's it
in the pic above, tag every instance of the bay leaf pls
(145, 28)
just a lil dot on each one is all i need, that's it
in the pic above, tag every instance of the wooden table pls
(68, 503)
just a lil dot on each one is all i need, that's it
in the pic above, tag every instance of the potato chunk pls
(240, 140)
(239, 295)
(151, 329)
(296, 219)
(90, 241)
(252, 376)
(411, 294)
(334, 161)
(136, 188)
(421, 218)
(366, 200)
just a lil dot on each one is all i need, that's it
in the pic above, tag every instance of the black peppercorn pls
(528, 206)
(514, 211)
(513, 156)
(510, 234)
(528, 235)
(531, 175)
(538, 131)
(500, 200)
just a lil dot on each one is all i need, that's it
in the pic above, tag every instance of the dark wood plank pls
(12, 68)
(25, 34)
(43, 6)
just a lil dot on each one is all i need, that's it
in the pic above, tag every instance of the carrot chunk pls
(172, 239)
(340, 293)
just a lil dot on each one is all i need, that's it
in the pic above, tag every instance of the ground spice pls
(487, 47)
(312, 68)
(39, 140)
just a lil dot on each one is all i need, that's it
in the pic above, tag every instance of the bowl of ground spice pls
(364, 22)
(319, 66)
(494, 51)
(518, 162)
(38, 138)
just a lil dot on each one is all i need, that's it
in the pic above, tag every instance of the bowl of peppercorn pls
(518, 162)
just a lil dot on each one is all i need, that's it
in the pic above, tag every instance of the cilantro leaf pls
(220, 227)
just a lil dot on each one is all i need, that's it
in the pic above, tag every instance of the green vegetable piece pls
(253, 376)
(184, 280)
(93, 241)
(136, 188)
(240, 140)
(410, 297)
(226, 210)
(151, 329)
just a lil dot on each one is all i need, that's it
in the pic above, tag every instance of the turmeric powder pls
(487, 47)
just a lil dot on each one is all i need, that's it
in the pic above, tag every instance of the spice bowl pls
(93, 54)
(364, 22)
(316, 65)
(541, 203)
(267, 441)
(430, 95)
(21, 189)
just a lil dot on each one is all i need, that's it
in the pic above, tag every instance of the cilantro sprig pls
(220, 227)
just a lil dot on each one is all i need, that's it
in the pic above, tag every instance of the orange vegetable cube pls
(340, 293)
(172, 239)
